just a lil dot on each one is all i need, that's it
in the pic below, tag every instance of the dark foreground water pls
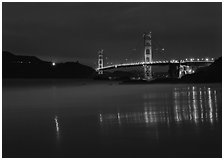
(65, 118)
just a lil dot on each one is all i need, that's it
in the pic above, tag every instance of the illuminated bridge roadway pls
(190, 62)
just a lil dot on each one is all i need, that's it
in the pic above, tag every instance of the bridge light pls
(202, 59)
(198, 59)
(212, 59)
(186, 59)
(191, 59)
(206, 59)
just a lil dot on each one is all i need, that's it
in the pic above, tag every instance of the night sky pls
(76, 31)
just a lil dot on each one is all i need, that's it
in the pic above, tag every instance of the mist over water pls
(66, 118)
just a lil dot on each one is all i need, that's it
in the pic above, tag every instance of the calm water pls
(46, 118)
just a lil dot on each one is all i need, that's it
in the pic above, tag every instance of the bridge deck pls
(156, 63)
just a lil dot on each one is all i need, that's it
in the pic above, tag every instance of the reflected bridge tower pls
(148, 55)
(100, 61)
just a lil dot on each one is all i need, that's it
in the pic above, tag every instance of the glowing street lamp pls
(53, 64)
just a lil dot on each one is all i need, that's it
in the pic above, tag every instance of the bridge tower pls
(148, 54)
(100, 61)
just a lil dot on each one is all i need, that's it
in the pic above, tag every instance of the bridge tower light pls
(100, 61)
(148, 54)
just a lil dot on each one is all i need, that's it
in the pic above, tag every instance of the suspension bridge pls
(179, 67)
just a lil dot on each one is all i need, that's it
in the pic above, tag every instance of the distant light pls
(186, 59)
(212, 59)
(53, 64)
(198, 59)
(206, 59)
(163, 49)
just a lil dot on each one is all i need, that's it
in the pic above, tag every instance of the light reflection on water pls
(192, 104)
(57, 128)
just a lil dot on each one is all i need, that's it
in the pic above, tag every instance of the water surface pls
(65, 118)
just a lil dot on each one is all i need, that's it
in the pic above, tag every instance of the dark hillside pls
(15, 66)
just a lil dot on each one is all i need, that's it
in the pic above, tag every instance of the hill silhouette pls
(17, 66)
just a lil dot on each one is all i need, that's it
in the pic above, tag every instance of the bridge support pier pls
(174, 70)
(185, 69)
(178, 70)
(100, 61)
